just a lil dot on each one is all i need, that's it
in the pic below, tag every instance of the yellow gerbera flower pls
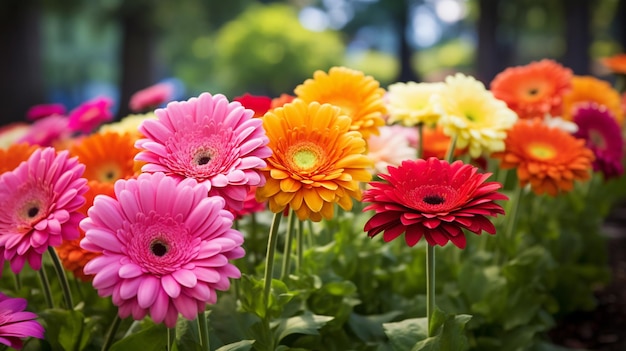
(474, 116)
(317, 160)
(129, 124)
(413, 103)
(359, 96)
(587, 89)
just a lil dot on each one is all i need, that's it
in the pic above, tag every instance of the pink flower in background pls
(209, 139)
(90, 115)
(44, 110)
(38, 206)
(165, 247)
(151, 97)
(257, 103)
(47, 131)
(391, 147)
(17, 324)
(250, 205)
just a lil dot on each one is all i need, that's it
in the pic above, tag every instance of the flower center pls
(203, 157)
(597, 139)
(533, 91)
(434, 199)
(33, 211)
(542, 151)
(158, 248)
(305, 156)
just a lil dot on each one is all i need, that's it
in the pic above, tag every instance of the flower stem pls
(300, 240)
(288, 243)
(430, 284)
(65, 286)
(420, 140)
(450, 152)
(45, 284)
(108, 341)
(18, 281)
(269, 258)
(203, 327)
(171, 338)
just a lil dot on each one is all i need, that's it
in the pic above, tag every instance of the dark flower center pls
(32, 212)
(533, 91)
(433, 199)
(203, 160)
(158, 248)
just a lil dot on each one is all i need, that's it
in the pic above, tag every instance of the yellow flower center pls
(542, 151)
(305, 156)
(108, 173)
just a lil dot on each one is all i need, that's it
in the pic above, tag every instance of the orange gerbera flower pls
(587, 89)
(436, 143)
(317, 160)
(550, 159)
(12, 156)
(616, 63)
(359, 96)
(533, 90)
(108, 156)
(73, 257)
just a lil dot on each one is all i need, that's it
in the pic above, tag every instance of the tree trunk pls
(620, 23)
(401, 18)
(577, 35)
(490, 58)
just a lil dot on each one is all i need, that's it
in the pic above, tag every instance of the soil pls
(603, 329)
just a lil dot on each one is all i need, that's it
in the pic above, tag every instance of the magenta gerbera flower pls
(90, 115)
(17, 324)
(151, 97)
(38, 206)
(209, 139)
(600, 129)
(47, 131)
(44, 110)
(432, 199)
(165, 247)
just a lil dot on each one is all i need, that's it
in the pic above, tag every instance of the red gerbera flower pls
(432, 199)
(257, 103)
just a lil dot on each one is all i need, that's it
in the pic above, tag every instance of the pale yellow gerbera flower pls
(474, 116)
(413, 103)
(129, 124)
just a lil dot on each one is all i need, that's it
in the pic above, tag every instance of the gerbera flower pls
(389, 148)
(436, 143)
(549, 159)
(604, 137)
(12, 133)
(38, 206)
(44, 110)
(413, 103)
(107, 156)
(474, 116)
(250, 205)
(533, 90)
(12, 156)
(615, 63)
(434, 200)
(281, 100)
(586, 89)
(129, 124)
(257, 103)
(359, 96)
(47, 131)
(209, 139)
(317, 162)
(17, 324)
(165, 247)
(90, 114)
(151, 97)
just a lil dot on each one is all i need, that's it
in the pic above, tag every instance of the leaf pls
(306, 323)
(370, 328)
(411, 334)
(243, 345)
(65, 330)
(152, 339)
(404, 334)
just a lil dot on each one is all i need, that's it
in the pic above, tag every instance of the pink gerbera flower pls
(250, 205)
(598, 126)
(44, 110)
(47, 131)
(151, 97)
(38, 206)
(17, 324)
(432, 199)
(165, 247)
(209, 139)
(91, 114)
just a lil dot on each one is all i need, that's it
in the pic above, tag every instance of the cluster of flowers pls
(144, 208)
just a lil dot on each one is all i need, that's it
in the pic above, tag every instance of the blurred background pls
(68, 51)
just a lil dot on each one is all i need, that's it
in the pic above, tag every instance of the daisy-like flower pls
(549, 159)
(165, 247)
(389, 148)
(604, 137)
(90, 115)
(533, 90)
(47, 131)
(413, 103)
(436, 143)
(17, 324)
(317, 162)
(615, 63)
(209, 139)
(586, 89)
(12, 156)
(474, 116)
(257, 103)
(38, 206)
(12, 133)
(151, 97)
(281, 100)
(434, 200)
(359, 96)
(44, 110)
(128, 125)
(107, 156)
(250, 205)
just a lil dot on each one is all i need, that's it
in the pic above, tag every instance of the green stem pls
(430, 284)
(18, 281)
(420, 140)
(450, 152)
(269, 259)
(171, 338)
(203, 327)
(512, 220)
(288, 243)
(110, 337)
(300, 239)
(45, 284)
(65, 286)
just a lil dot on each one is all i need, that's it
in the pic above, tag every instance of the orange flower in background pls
(281, 100)
(317, 160)
(533, 90)
(436, 143)
(616, 63)
(549, 159)
(12, 156)
(586, 89)
(359, 96)
(107, 156)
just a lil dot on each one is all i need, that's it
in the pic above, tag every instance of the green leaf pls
(153, 338)
(370, 328)
(404, 334)
(243, 345)
(411, 334)
(65, 330)
(306, 323)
